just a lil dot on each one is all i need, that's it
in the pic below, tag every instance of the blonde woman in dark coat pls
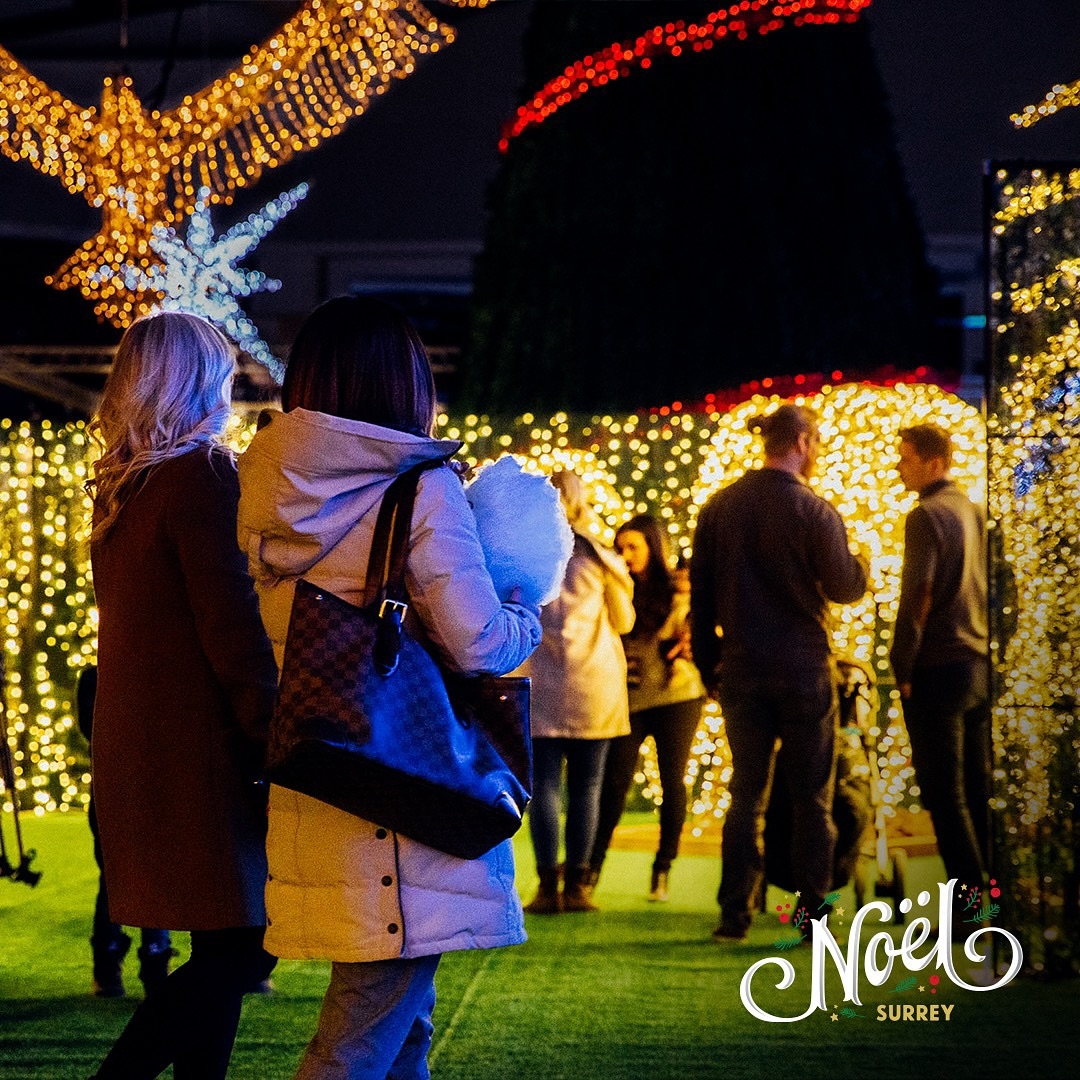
(186, 681)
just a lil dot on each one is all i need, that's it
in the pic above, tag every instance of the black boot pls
(658, 885)
(108, 956)
(154, 966)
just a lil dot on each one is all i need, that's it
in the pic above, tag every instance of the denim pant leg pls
(936, 717)
(751, 726)
(156, 941)
(673, 728)
(544, 810)
(584, 775)
(807, 764)
(375, 1022)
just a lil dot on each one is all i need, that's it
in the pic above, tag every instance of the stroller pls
(857, 811)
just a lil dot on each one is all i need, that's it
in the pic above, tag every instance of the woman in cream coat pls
(579, 702)
(359, 406)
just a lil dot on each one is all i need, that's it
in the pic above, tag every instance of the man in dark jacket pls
(940, 652)
(769, 556)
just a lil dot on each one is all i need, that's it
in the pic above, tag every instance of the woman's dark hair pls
(361, 358)
(782, 427)
(654, 591)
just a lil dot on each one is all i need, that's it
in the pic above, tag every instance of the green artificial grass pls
(638, 990)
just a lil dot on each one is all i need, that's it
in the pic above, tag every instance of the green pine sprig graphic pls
(904, 985)
(851, 1014)
(829, 900)
(990, 911)
(789, 942)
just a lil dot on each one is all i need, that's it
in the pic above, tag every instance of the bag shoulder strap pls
(386, 563)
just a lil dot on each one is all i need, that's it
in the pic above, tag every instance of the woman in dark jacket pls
(186, 681)
(666, 697)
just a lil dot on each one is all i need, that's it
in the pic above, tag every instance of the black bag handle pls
(385, 581)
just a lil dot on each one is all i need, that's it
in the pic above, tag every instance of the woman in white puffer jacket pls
(359, 407)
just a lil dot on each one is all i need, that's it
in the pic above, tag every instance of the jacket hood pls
(307, 477)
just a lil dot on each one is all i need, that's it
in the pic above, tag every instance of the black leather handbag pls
(366, 719)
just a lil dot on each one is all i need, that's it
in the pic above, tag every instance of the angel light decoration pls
(146, 168)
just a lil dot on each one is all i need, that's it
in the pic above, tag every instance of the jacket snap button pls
(392, 928)
(388, 880)
(380, 834)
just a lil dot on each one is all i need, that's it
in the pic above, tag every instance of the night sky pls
(416, 166)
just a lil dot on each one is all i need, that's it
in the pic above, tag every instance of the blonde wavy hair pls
(169, 390)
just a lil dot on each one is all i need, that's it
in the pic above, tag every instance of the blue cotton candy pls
(523, 530)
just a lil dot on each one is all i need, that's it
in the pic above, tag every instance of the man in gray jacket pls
(769, 556)
(940, 652)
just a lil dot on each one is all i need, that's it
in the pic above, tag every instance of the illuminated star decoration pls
(199, 273)
(145, 168)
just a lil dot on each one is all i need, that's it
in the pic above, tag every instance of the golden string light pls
(668, 462)
(1035, 475)
(46, 608)
(144, 168)
(1034, 194)
(1060, 96)
(664, 462)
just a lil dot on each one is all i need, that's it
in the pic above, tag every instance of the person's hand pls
(462, 469)
(673, 649)
(517, 597)
(676, 647)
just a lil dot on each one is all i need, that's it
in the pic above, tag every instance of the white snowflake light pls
(199, 273)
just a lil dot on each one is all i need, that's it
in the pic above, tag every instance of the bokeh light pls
(665, 461)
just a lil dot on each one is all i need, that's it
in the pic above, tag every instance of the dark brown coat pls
(186, 681)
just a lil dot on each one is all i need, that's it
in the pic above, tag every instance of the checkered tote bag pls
(367, 721)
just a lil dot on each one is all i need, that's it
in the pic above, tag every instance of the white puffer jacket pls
(579, 670)
(341, 888)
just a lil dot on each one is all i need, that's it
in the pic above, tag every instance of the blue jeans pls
(948, 723)
(584, 774)
(803, 718)
(375, 1022)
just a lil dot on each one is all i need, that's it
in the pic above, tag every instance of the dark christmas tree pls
(710, 218)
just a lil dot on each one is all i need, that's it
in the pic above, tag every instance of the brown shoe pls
(547, 900)
(578, 890)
